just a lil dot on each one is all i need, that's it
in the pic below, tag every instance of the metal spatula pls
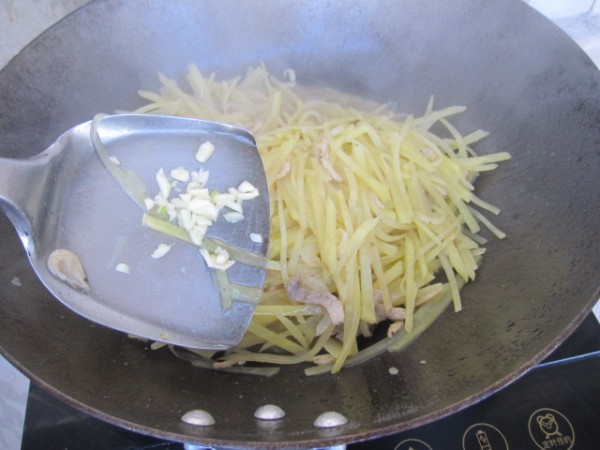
(67, 199)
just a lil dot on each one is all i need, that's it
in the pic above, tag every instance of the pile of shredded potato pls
(373, 216)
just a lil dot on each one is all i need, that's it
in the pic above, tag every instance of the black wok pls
(521, 79)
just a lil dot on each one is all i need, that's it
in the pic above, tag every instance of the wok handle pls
(22, 189)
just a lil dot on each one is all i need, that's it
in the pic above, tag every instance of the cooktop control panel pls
(556, 406)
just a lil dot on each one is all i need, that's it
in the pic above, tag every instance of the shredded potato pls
(372, 215)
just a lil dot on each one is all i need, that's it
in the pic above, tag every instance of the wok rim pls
(326, 441)
(346, 438)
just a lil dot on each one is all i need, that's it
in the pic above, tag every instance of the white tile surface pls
(556, 9)
(14, 388)
(22, 20)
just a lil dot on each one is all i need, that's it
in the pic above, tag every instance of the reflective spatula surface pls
(79, 197)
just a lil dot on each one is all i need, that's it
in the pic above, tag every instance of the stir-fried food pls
(374, 219)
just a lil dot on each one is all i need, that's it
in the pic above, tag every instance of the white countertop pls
(22, 20)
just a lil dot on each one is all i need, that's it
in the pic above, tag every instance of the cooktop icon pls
(551, 430)
(483, 436)
(412, 444)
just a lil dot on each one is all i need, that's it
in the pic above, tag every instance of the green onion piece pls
(162, 226)
(128, 180)
(234, 291)
(245, 294)
(239, 255)
(222, 280)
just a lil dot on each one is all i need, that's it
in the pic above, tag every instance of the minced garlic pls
(205, 151)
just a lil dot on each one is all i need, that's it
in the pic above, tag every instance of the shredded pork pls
(298, 293)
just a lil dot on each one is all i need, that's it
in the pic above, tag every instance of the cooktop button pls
(412, 444)
(483, 436)
(551, 430)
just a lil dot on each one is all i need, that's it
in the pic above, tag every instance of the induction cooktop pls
(555, 406)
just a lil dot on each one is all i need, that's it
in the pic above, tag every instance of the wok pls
(521, 79)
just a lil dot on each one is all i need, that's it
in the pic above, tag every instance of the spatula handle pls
(21, 185)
